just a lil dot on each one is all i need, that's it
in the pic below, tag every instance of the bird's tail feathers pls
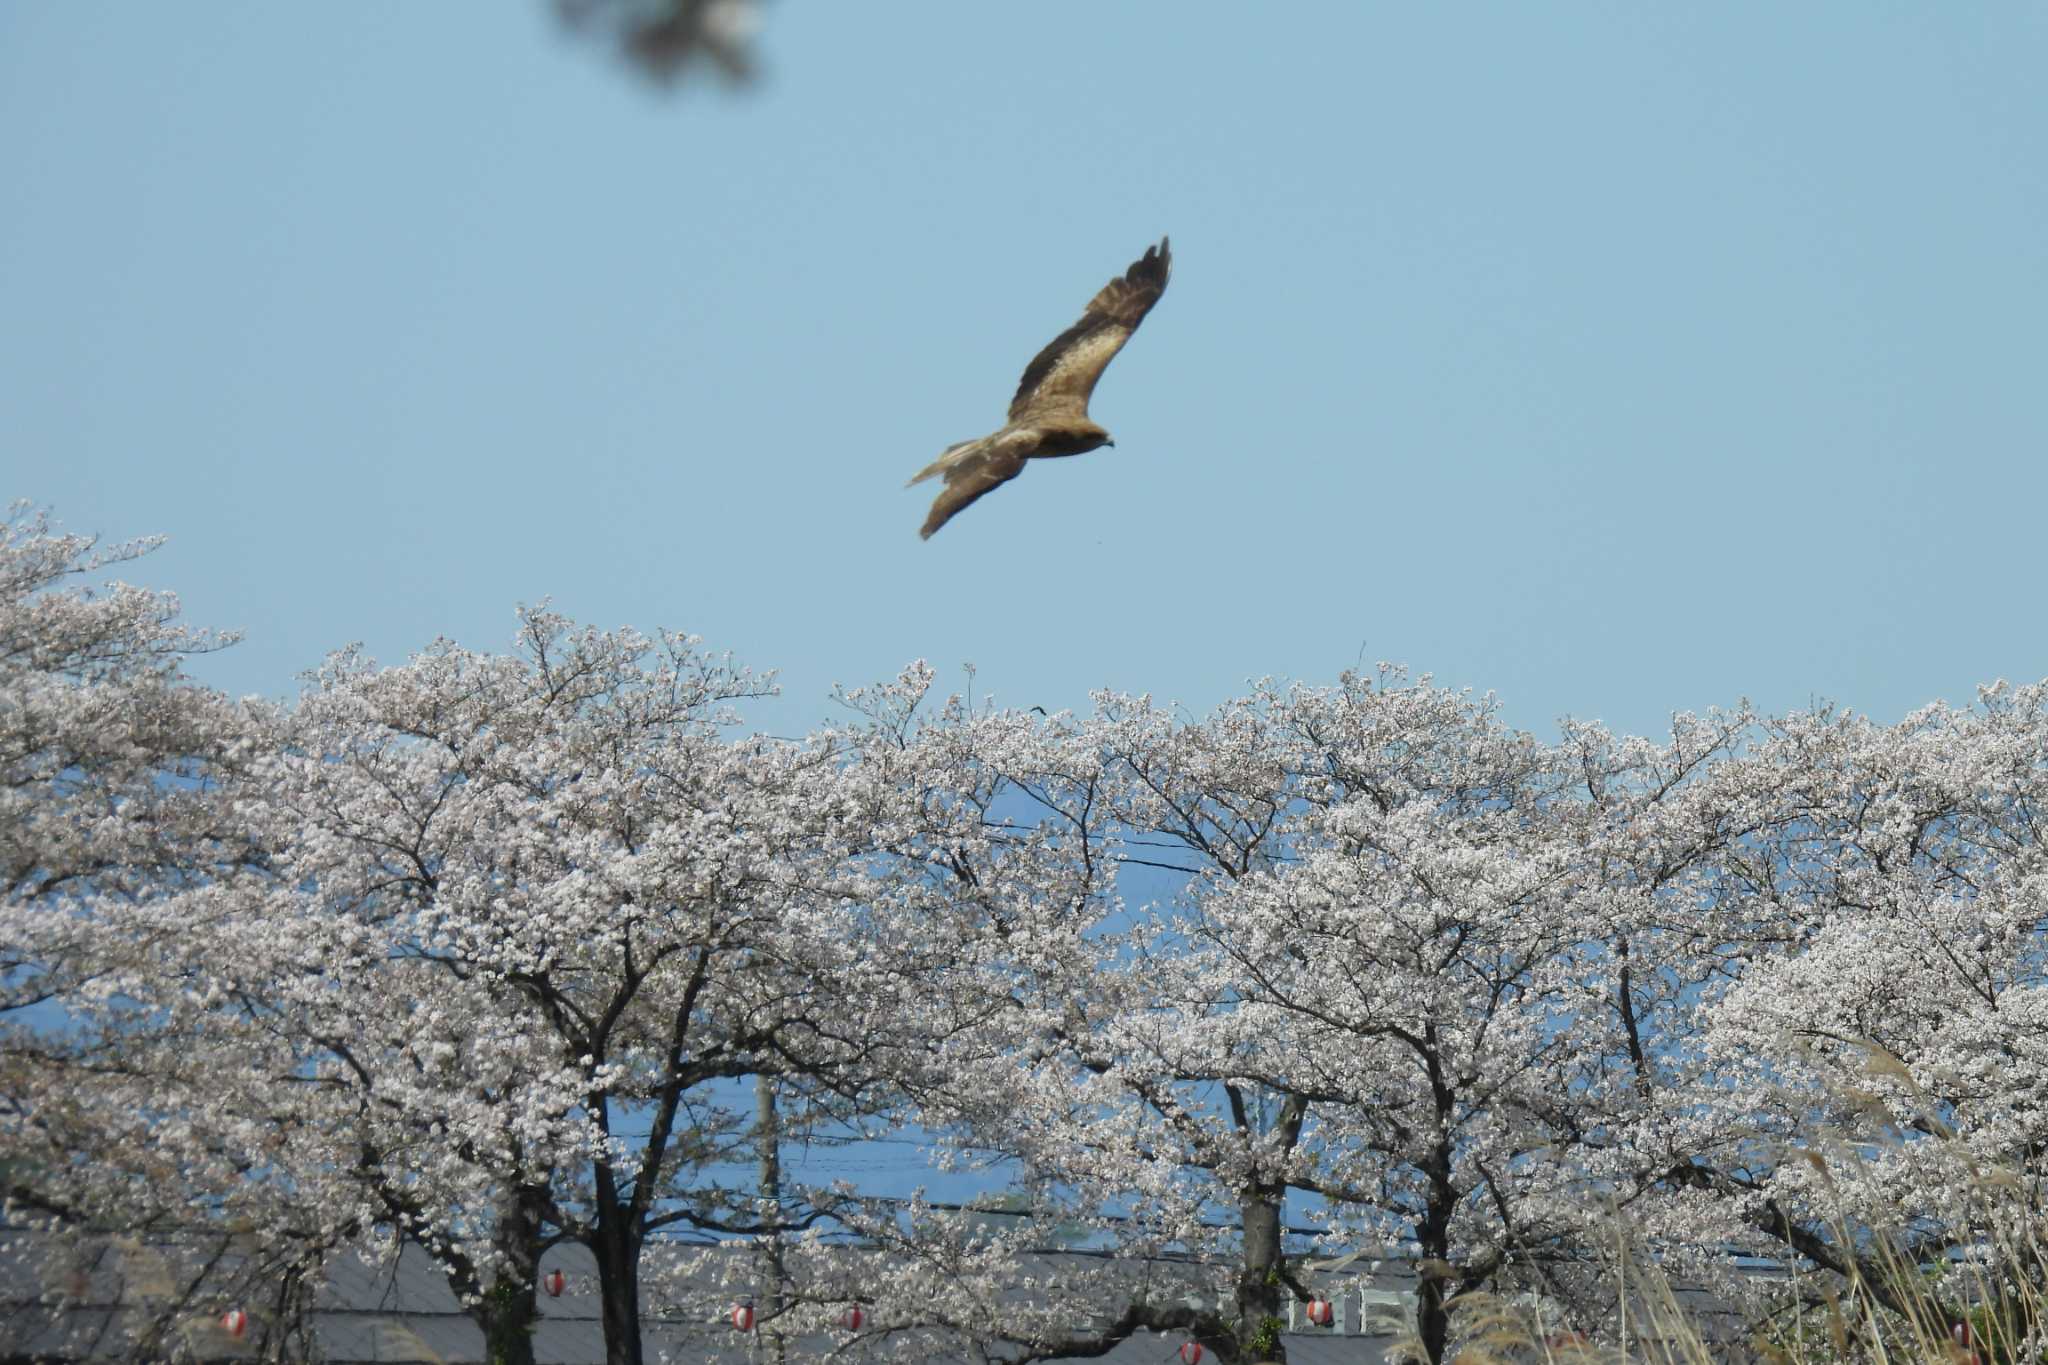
(950, 456)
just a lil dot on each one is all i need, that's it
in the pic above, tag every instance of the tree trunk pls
(618, 1277)
(770, 1139)
(509, 1311)
(1433, 1237)
(1432, 1319)
(1260, 1295)
(616, 1246)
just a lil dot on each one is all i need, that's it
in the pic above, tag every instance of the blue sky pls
(1619, 359)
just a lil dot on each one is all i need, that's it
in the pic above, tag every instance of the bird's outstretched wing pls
(972, 468)
(1059, 378)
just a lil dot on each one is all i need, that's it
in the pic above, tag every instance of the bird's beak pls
(1110, 444)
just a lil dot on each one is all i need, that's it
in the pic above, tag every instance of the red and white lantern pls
(1191, 1353)
(235, 1323)
(743, 1316)
(1321, 1312)
(852, 1318)
(554, 1282)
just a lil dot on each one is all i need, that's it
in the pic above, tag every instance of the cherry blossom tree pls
(1366, 972)
(110, 762)
(1882, 1070)
(102, 744)
(1383, 967)
(521, 917)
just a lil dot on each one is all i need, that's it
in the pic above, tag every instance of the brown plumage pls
(1049, 415)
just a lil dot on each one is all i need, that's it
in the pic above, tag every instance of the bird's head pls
(1085, 436)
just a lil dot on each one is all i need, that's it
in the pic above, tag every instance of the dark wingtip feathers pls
(1156, 263)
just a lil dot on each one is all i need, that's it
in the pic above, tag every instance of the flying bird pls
(1049, 415)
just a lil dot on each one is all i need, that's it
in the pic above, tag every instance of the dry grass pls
(1987, 1309)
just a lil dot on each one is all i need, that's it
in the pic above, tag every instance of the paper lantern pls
(1191, 1353)
(743, 1316)
(1321, 1312)
(554, 1282)
(235, 1322)
(852, 1318)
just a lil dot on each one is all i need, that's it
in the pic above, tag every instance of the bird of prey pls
(1049, 415)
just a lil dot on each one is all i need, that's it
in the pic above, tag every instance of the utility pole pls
(770, 1205)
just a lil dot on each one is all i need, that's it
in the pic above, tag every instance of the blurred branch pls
(664, 37)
